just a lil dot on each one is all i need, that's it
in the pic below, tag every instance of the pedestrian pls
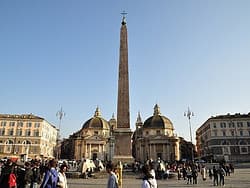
(222, 176)
(215, 174)
(210, 174)
(149, 180)
(62, 180)
(227, 169)
(8, 176)
(189, 175)
(184, 172)
(204, 173)
(51, 176)
(112, 180)
(179, 172)
(36, 175)
(152, 168)
(194, 174)
(28, 175)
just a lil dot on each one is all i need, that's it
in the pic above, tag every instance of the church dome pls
(158, 121)
(96, 122)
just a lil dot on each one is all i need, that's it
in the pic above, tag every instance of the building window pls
(36, 132)
(223, 125)
(3, 123)
(214, 125)
(27, 132)
(224, 142)
(146, 132)
(12, 123)
(231, 124)
(37, 125)
(225, 150)
(243, 150)
(9, 142)
(20, 124)
(224, 133)
(248, 124)
(95, 132)
(232, 133)
(2, 132)
(28, 124)
(11, 132)
(215, 133)
(241, 133)
(239, 124)
(19, 132)
(158, 132)
(242, 142)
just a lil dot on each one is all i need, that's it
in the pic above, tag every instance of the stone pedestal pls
(123, 146)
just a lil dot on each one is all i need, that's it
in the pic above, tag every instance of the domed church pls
(155, 138)
(92, 141)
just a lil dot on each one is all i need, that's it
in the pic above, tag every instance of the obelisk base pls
(123, 146)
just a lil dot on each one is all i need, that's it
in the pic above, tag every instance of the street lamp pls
(189, 114)
(60, 114)
(236, 146)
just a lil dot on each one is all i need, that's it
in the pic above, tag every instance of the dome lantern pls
(97, 112)
(157, 110)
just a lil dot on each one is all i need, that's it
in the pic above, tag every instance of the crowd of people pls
(33, 174)
(50, 174)
(187, 171)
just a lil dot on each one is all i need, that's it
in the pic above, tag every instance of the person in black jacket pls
(28, 175)
(215, 174)
(36, 175)
(7, 169)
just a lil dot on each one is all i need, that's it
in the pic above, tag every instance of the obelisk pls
(123, 133)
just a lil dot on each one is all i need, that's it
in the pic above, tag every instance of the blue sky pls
(181, 54)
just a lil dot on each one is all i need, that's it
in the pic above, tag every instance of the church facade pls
(93, 141)
(155, 139)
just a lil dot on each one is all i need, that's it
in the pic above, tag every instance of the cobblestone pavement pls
(240, 179)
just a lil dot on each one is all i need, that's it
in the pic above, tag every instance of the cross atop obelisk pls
(123, 17)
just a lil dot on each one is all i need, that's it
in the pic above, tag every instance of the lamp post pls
(189, 114)
(237, 149)
(60, 114)
(111, 143)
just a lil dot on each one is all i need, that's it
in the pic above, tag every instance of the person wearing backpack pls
(50, 178)
(148, 181)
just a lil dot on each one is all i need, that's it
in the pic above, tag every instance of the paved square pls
(240, 179)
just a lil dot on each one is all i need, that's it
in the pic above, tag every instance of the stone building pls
(225, 137)
(93, 140)
(155, 138)
(27, 136)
